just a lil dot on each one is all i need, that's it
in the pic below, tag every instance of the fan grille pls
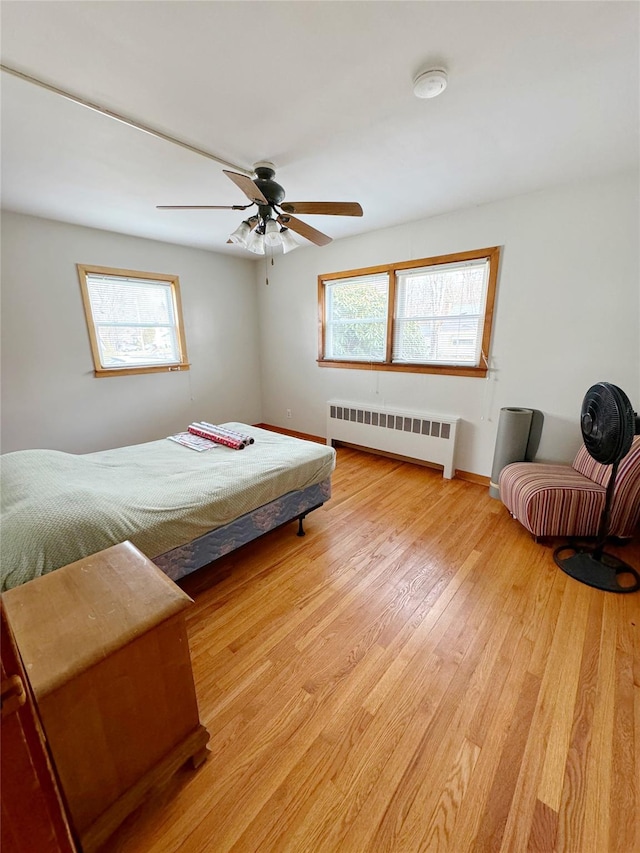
(607, 422)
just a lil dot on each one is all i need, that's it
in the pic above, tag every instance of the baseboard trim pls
(470, 477)
(305, 436)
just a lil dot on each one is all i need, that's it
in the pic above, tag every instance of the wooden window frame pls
(492, 254)
(173, 280)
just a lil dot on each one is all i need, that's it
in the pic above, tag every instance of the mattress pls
(59, 507)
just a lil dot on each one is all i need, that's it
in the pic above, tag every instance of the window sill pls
(101, 372)
(443, 369)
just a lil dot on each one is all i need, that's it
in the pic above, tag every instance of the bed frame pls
(185, 559)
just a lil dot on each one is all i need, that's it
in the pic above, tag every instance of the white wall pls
(50, 397)
(567, 316)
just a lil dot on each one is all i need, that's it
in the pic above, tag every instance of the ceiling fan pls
(269, 227)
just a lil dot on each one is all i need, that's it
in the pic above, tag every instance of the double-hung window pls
(356, 317)
(134, 321)
(432, 315)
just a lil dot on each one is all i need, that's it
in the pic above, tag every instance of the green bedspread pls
(59, 507)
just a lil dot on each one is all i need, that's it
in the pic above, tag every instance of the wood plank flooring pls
(414, 674)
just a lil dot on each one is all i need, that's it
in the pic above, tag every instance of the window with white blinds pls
(356, 318)
(134, 319)
(440, 312)
(432, 315)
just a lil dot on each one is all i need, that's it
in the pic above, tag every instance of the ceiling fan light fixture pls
(271, 233)
(430, 83)
(255, 243)
(241, 234)
(288, 241)
(257, 235)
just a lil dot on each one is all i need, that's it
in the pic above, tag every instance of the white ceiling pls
(540, 93)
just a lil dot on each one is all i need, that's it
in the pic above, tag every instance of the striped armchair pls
(567, 500)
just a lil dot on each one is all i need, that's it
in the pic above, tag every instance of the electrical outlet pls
(288, 413)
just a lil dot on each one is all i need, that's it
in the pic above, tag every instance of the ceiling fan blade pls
(304, 230)
(202, 206)
(248, 187)
(331, 208)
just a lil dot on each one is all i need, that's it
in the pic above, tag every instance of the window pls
(356, 317)
(134, 320)
(427, 316)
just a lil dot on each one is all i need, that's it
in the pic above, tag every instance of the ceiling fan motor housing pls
(269, 188)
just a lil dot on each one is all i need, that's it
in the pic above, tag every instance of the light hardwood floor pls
(414, 674)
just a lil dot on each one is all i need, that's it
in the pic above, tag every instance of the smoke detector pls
(430, 84)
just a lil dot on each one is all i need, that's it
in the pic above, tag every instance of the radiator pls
(417, 435)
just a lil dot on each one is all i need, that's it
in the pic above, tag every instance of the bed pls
(180, 507)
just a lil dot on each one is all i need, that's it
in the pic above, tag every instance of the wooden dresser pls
(33, 813)
(104, 645)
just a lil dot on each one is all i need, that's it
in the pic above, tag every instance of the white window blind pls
(356, 318)
(439, 313)
(135, 321)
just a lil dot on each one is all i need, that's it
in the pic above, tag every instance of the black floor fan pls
(608, 425)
